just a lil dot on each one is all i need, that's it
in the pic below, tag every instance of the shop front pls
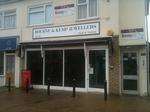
(85, 61)
(8, 46)
(134, 70)
(63, 53)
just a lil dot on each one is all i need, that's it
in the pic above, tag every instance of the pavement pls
(61, 101)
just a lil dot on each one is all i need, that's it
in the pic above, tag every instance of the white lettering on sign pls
(70, 30)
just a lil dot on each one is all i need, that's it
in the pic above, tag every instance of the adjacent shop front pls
(134, 62)
(8, 46)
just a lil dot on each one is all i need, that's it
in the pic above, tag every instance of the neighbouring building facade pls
(87, 40)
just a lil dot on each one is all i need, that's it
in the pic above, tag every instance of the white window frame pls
(87, 3)
(44, 9)
(3, 18)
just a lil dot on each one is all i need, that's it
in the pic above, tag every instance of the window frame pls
(44, 9)
(2, 53)
(3, 18)
(87, 3)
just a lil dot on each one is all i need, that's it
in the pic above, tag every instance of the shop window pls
(54, 67)
(74, 67)
(1, 64)
(35, 64)
(8, 19)
(40, 15)
(87, 8)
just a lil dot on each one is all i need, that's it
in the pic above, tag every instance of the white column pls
(142, 74)
(17, 70)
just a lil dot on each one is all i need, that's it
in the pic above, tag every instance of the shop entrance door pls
(130, 72)
(10, 67)
(96, 69)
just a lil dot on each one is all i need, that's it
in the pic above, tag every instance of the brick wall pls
(114, 67)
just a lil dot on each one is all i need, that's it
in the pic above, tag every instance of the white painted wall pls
(142, 73)
(131, 15)
(108, 18)
(17, 71)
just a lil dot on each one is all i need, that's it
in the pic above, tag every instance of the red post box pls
(26, 75)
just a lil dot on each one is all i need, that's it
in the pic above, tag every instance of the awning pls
(8, 43)
(105, 41)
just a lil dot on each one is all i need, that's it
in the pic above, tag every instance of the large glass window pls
(35, 64)
(87, 8)
(8, 19)
(40, 15)
(1, 64)
(54, 67)
(74, 67)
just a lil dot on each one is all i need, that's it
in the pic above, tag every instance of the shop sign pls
(65, 10)
(67, 30)
(8, 43)
(136, 33)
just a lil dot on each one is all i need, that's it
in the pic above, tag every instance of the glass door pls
(97, 68)
(130, 72)
(10, 67)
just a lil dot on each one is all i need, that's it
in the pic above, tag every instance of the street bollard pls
(105, 90)
(48, 86)
(9, 84)
(74, 88)
(27, 86)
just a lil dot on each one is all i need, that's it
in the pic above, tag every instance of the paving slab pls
(62, 101)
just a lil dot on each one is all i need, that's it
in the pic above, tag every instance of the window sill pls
(39, 25)
(88, 19)
(8, 28)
